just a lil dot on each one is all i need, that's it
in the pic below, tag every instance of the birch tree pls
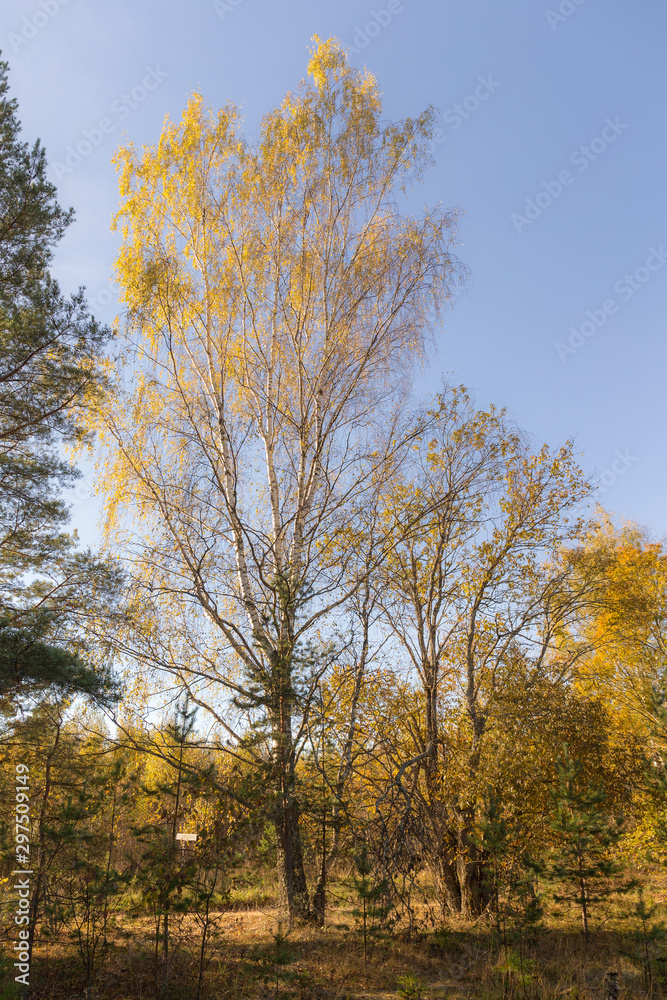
(277, 301)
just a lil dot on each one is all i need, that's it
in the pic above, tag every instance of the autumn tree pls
(482, 599)
(444, 491)
(277, 300)
(627, 623)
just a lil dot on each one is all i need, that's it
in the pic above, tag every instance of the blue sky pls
(551, 143)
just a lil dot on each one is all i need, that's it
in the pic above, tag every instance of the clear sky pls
(551, 143)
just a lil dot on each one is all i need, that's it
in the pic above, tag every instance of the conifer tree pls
(374, 904)
(162, 874)
(51, 370)
(584, 836)
(509, 885)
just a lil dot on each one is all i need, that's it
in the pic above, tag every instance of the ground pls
(250, 957)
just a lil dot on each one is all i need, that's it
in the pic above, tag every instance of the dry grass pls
(459, 962)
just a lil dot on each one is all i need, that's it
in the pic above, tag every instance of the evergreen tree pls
(509, 883)
(51, 369)
(648, 938)
(511, 874)
(584, 835)
(87, 884)
(50, 344)
(163, 874)
(373, 894)
(271, 964)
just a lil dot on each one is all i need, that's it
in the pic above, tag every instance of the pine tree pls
(649, 941)
(51, 369)
(50, 346)
(584, 836)
(88, 883)
(163, 875)
(373, 896)
(510, 886)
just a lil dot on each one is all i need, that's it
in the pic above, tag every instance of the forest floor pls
(250, 955)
